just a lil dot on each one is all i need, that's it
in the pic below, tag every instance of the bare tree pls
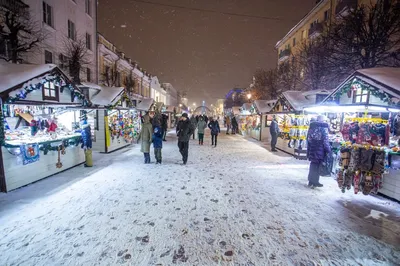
(76, 54)
(368, 36)
(110, 75)
(19, 34)
(289, 75)
(316, 69)
(265, 84)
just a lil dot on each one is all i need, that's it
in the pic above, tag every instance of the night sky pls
(204, 53)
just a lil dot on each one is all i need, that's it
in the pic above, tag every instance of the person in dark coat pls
(274, 130)
(157, 142)
(215, 130)
(184, 130)
(193, 121)
(235, 125)
(164, 125)
(317, 149)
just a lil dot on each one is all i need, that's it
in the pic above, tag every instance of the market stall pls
(116, 124)
(293, 122)
(367, 104)
(251, 125)
(263, 108)
(40, 135)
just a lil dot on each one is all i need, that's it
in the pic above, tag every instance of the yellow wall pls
(318, 14)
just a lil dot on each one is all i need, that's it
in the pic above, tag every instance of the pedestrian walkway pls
(236, 204)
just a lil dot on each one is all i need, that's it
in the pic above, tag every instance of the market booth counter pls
(263, 108)
(40, 134)
(116, 124)
(293, 122)
(368, 104)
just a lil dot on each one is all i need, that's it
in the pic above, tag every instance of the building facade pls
(172, 94)
(313, 24)
(62, 22)
(117, 70)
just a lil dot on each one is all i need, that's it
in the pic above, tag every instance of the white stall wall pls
(391, 184)
(18, 175)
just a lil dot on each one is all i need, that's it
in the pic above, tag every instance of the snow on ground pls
(237, 204)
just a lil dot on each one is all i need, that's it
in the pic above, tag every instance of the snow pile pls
(236, 204)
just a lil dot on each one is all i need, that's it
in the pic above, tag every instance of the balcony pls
(315, 30)
(15, 6)
(343, 6)
(284, 54)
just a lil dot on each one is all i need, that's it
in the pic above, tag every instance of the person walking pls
(164, 125)
(201, 125)
(274, 130)
(145, 138)
(157, 143)
(215, 130)
(193, 123)
(317, 149)
(235, 126)
(184, 130)
(228, 124)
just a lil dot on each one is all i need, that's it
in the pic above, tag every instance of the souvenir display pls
(124, 126)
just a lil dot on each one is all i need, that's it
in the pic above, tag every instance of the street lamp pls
(180, 105)
(249, 96)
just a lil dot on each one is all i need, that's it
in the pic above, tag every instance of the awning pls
(145, 104)
(263, 106)
(107, 96)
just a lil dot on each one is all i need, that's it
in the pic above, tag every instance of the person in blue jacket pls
(158, 134)
(86, 134)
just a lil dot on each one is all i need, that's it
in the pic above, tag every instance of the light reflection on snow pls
(277, 166)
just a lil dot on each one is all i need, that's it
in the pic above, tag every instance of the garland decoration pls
(37, 84)
(358, 83)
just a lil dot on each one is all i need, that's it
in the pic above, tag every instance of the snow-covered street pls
(237, 204)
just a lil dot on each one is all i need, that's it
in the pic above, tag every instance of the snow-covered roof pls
(107, 95)
(299, 100)
(145, 104)
(236, 110)
(388, 77)
(12, 75)
(246, 106)
(264, 106)
(90, 85)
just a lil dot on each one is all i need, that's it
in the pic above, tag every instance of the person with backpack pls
(215, 130)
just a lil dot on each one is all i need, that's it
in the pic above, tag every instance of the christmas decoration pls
(30, 153)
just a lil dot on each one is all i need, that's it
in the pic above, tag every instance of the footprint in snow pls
(179, 256)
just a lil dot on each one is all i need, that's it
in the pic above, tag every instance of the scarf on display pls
(30, 153)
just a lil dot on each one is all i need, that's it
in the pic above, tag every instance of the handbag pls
(325, 167)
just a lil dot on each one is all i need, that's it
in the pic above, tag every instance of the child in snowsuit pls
(158, 135)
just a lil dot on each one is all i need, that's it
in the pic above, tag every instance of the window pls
(361, 96)
(88, 41)
(304, 35)
(50, 92)
(71, 30)
(48, 57)
(327, 14)
(88, 75)
(47, 14)
(294, 42)
(88, 7)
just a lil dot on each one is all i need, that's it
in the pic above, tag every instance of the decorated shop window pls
(50, 92)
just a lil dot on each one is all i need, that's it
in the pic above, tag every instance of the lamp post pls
(249, 96)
